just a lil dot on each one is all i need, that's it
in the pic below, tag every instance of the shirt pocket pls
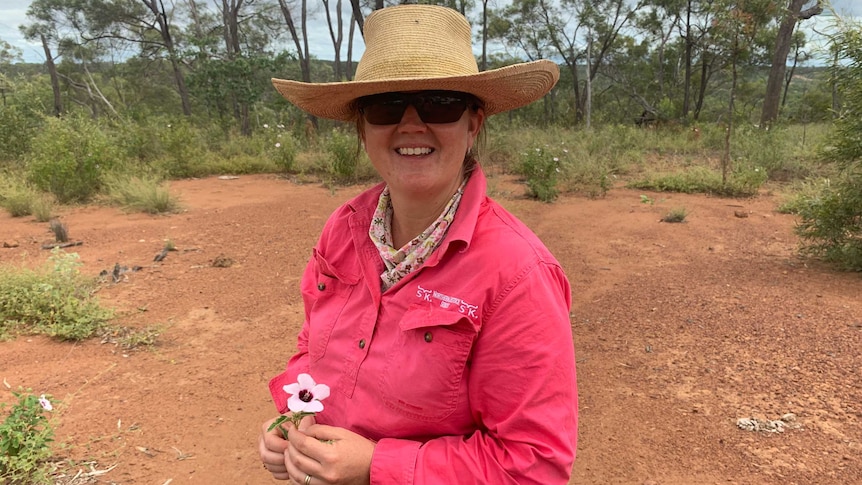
(331, 291)
(424, 373)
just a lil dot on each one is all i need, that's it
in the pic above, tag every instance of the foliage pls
(675, 215)
(541, 171)
(831, 221)
(25, 437)
(145, 193)
(22, 115)
(341, 149)
(21, 199)
(54, 300)
(744, 182)
(69, 157)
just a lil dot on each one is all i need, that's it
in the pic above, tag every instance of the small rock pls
(222, 261)
(10, 244)
(740, 214)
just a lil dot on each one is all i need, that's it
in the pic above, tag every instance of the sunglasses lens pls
(388, 109)
(384, 111)
(441, 108)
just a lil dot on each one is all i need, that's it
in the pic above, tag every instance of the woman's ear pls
(477, 119)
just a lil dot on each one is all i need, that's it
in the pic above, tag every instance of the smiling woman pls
(440, 321)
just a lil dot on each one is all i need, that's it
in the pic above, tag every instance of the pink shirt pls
(464, 371)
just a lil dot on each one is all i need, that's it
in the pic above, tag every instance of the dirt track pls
(680, 330)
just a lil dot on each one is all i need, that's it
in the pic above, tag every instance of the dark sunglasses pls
(432, 106)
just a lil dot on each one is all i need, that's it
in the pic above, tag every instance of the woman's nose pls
(410, 120)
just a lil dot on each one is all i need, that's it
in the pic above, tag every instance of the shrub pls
(68, 158)
(20, 199)
(283, 152)
(831, 222)
(25, 436)
(540, 170)
(145, 193)
(55, 301)
(675, 215)
(343, 156)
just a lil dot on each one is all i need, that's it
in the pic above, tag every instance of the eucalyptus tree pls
(149, 24)
(300, 40)
(737, 23)
(660, 21)
(45, 26)
(793, 13)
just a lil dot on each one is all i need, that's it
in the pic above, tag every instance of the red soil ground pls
(680, 330)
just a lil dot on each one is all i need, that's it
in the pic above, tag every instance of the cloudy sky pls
(13, 14)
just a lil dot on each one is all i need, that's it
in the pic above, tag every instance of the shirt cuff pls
(394, 462)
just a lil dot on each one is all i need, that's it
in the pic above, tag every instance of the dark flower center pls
(305, 395)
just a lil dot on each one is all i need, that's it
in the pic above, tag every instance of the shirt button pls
(362, 344)
(321, 286)
(428, 337)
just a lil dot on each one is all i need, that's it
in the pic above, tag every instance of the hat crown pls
(416, 42)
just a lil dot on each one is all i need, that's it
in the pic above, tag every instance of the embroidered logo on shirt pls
(447, 301)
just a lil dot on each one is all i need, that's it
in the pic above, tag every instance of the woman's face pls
(417, 159)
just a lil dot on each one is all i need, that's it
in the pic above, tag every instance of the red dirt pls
(680, 329)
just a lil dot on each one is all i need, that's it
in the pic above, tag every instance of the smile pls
(414, 151)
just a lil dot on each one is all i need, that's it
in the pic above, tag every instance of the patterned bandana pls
(401, 262)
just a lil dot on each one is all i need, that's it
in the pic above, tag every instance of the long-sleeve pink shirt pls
(464, 371)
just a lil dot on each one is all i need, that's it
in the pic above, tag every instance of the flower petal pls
(292, 388)
(295, 404)
(320, 392)
(305, 381)
(313, 407)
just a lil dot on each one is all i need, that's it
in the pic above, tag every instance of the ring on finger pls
(307, 479)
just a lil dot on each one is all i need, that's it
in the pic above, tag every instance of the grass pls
(140, 194)
(676, 215)
(572, 161)
(54, 300)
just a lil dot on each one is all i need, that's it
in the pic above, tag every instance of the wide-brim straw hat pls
(417, 48)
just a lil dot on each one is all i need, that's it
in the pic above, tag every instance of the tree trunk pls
(357, 16)
(301, 46)
(55, 80)
(686, 101)
(165, 30)
(779, 58)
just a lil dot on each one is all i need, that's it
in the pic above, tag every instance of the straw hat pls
(422, 47)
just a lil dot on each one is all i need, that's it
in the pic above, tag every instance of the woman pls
(438, 320)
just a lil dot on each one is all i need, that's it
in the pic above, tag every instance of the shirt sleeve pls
(523, 395)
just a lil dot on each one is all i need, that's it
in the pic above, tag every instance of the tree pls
(737, 23)
(300, 41)
(44, 28)
(147, 23)
(783, 43)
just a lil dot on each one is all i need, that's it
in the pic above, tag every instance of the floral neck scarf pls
(401, 262)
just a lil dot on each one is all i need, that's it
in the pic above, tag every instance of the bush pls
(55, 301)
(68, 158)
(144, 193)
(343, 156)
(25, 436)
(831, 221)
(541, 170)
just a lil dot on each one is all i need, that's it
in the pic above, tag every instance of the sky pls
(13, 14)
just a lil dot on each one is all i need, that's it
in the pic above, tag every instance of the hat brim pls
(499, 90)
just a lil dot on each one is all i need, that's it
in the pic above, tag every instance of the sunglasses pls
(432, 106)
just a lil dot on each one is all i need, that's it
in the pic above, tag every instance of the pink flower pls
(45, 403)
(305, 395)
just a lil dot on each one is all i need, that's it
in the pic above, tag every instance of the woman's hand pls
(329, 455)
(272, 447)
